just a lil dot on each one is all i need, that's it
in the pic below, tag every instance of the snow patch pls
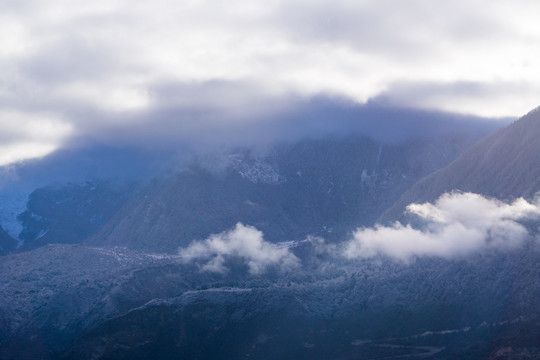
(289, 244)
(378, 160)
(42, 233)
(257, 171)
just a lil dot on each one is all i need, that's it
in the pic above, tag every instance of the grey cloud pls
(400, 28)
(232, 114)
(414, 93)
(71, 60)
(243, 242)
(443, 95)
(456, 224)
(240, 72)
(218, 115)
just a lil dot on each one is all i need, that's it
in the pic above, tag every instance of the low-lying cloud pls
(455, 224)
(242, 242)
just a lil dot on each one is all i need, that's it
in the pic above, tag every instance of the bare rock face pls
(505, 165)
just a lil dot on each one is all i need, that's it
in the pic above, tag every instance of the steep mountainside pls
(69, 194)
(319, 187)
(70, 213)
(504, 165)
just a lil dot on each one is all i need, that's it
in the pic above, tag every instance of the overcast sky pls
(71, 69)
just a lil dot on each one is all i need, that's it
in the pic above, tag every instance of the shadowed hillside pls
(324, 187)
(504, 165)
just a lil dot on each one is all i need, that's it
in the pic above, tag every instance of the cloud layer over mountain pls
(103, 67)
(456, 224)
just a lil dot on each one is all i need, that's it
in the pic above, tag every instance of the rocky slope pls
(70, 213)
(504, 165)
(69, 194)
(322, 187)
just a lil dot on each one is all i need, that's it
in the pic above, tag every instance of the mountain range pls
(128, 285)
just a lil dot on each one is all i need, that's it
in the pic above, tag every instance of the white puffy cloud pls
(243, 242)
(456, 224)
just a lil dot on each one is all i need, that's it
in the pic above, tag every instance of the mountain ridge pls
(325, 187)
(504, 165)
